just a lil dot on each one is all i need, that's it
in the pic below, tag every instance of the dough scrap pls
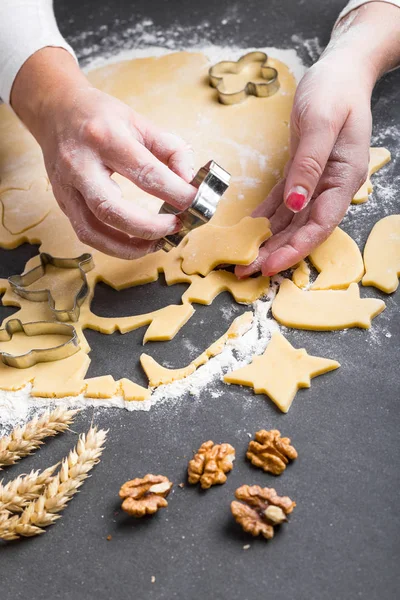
(378, 157)
(211, 245)
(246, 291)
(159, 375)
(281, 371)
(338, 261)
(164, 323)
(133, 391)
(382, 255)
(324, 310)
(301, 275)
(241, 150)
(104, 386)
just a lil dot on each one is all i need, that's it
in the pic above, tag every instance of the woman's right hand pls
(86, 136)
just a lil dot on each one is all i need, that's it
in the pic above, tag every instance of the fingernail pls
(296, 199)
(177, 226)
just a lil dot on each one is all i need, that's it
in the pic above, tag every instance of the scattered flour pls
(17, 407)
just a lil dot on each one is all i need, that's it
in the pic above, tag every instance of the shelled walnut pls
(260, 510)
(145, 496)
(211, 463)
(270, 451)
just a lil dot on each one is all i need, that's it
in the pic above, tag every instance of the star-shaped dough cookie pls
(281, 371)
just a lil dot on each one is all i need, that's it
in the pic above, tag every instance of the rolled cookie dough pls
(324, 310)
(281, 371)
(382, 255)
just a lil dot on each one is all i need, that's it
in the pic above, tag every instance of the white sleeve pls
(357, 3)
(26, 26)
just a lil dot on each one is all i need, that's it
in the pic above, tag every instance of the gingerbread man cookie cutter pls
(261, 89)
(37, 355)
(211, 182)
(19, 283)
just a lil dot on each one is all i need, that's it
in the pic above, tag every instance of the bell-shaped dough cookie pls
(324, 310)
(382, 255)
(210, 245)
(377, 158)
(281, 371)
(338, 261)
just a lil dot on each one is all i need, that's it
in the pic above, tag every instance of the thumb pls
(310, 157)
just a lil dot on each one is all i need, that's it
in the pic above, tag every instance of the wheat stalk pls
(16, 494)
(24, 440)
(43, 511)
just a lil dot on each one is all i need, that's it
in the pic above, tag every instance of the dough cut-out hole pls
(109, 355)
(14, 261)
(7, 311)
(136, 300)
(204, 328)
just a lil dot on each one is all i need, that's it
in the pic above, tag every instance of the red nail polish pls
(296, 201)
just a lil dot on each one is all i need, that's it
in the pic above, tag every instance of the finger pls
(274, 199)
(104, 198)
(317, 138)
(135, 162)
(168, 147)
(343, 174)
(297, 246)
(92, 232)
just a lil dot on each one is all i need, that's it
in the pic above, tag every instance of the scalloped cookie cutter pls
(211, 182)
(19, 283)
(260, 89)
(38, 355)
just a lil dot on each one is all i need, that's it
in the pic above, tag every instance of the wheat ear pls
(58, 492)
(24, 440)
(16, 494)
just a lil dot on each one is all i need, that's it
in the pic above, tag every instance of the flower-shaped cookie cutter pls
(261, 89)
(19, 283)
(37, 355)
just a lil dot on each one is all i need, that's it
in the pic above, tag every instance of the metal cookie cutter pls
(211, 181)
(20, 283)
(261, 89)
(37, 355)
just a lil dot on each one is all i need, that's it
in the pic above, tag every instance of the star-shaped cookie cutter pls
(20, 283)
(38, 355)
(260, 89)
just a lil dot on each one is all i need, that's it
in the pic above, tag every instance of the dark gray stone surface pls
(343, 538)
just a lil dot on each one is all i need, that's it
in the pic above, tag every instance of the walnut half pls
(145, 496)
(211, 463)
(260, 510)
(270, 451)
